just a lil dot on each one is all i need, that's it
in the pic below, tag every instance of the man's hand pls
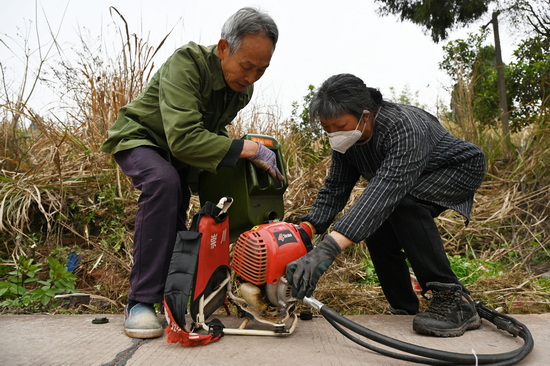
(304, 273)
(265, 159)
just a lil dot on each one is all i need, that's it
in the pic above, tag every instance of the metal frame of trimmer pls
(285, 327)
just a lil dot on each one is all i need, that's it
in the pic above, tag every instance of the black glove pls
(304, 273)
(265, 159)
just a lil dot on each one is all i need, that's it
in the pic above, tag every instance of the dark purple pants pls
(162, 208)
(410, 232)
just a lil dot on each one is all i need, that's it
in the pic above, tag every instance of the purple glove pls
(265, 159)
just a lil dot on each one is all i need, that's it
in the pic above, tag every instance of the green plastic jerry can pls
(257, 197)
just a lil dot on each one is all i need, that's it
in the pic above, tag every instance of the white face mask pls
(342, 140)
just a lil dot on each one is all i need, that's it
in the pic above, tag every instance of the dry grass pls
(57, 191)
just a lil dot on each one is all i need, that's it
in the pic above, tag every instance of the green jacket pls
(183, 111)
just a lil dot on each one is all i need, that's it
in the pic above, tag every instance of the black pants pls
(410, 232)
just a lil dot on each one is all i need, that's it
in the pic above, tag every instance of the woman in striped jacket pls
(415, 170)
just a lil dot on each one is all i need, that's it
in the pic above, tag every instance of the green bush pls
(469, 271)
(24, 289)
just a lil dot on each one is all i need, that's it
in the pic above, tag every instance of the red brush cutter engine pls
(260, 257)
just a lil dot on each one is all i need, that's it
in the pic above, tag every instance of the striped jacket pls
(410, 152)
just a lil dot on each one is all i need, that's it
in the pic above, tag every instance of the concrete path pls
(75, 340)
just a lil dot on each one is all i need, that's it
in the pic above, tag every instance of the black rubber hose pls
(502, 359)
(385, 352)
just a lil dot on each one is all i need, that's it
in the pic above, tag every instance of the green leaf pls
(45, 300)
(25, 300)
(51, 292)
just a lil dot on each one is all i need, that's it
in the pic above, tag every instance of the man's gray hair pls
(248, 21)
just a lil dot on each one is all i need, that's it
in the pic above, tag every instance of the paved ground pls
(74, 340)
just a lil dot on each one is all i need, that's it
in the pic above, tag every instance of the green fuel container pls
(257, 197)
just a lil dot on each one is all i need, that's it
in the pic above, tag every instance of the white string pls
(475, 355)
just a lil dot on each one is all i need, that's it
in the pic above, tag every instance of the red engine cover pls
(261, 254)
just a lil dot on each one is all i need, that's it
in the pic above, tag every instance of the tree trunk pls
(503, 101)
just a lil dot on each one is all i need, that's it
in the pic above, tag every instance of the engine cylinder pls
(261, 254)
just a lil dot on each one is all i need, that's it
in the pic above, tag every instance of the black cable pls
(433, 356)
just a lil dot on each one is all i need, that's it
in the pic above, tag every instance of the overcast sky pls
(317, 39)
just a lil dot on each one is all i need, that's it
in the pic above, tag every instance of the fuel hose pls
(430, 356)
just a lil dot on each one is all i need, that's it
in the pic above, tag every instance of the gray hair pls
(248, 21)
(344, 93)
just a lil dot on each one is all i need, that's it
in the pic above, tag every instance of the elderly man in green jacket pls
(177, 127)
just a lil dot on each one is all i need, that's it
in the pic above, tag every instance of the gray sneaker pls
(451, 312)
(142, 322)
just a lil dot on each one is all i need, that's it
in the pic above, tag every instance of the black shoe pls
(450, 314)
